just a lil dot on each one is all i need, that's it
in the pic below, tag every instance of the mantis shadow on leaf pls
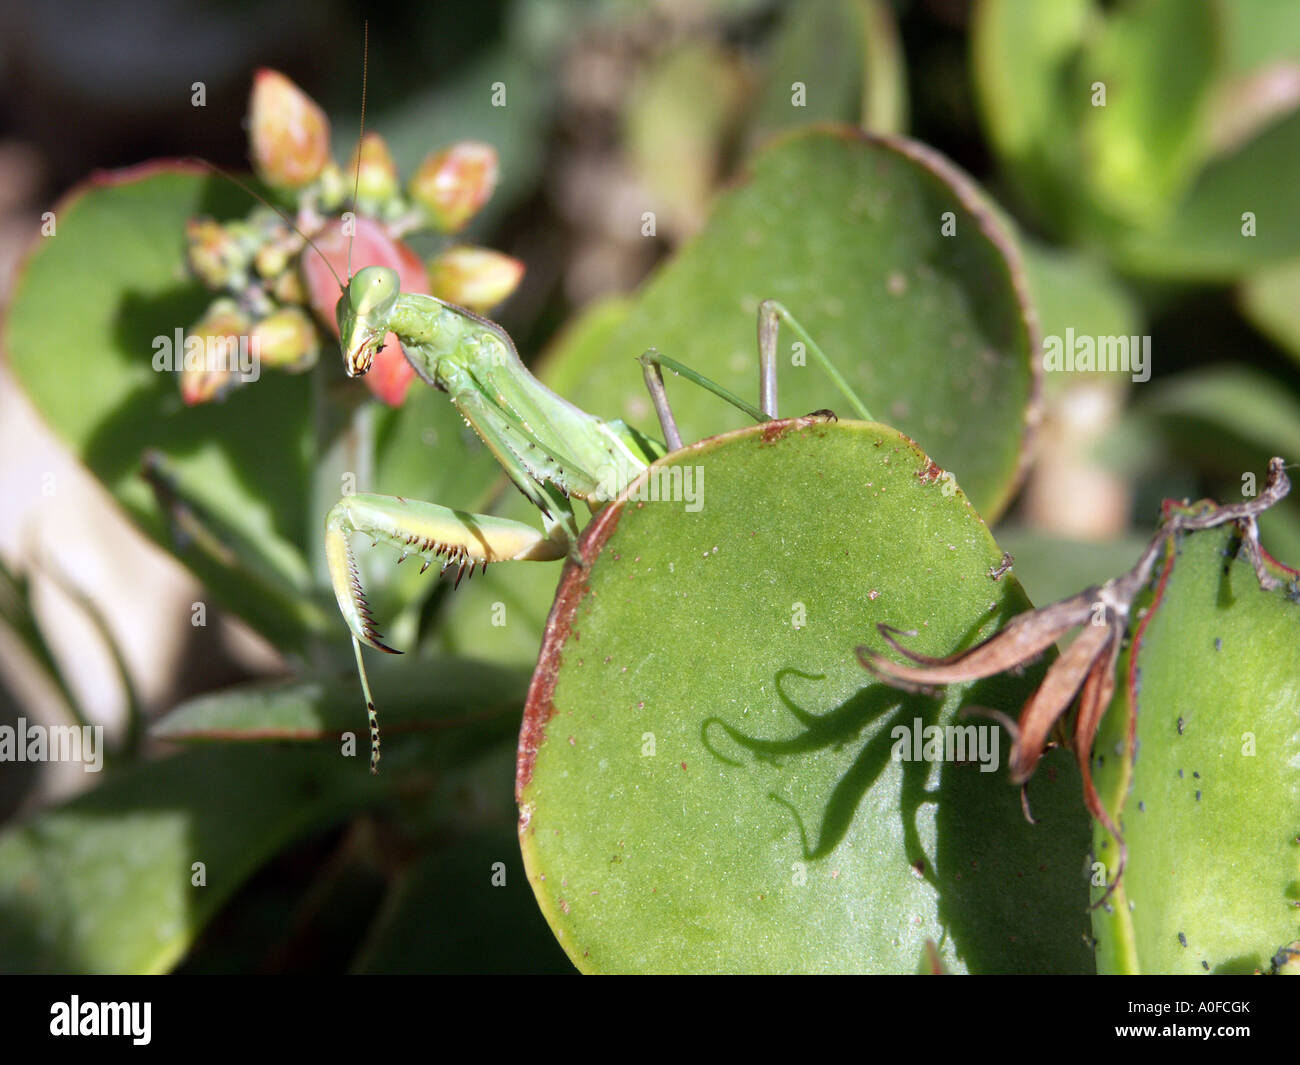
(976, 836)
(833, 730)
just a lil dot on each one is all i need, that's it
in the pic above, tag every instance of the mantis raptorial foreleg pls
(437, 534)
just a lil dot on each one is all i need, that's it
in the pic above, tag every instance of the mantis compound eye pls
(372, 289)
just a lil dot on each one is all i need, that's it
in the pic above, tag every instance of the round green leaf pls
(1271, 300)
(846, 58)
(465, 909)
(706, 774)
(1075, 295)
(889, 258)
(107, 883)
(89, 308)
(1209, 809)
(1238, 217)
(1099, 115)
(426, 695)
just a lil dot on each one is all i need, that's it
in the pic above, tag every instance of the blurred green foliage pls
(1141, 157)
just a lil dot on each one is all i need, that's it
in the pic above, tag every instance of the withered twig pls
(1087, 668)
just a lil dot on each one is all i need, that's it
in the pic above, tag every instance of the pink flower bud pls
(290, 135)
(214, 253)
(211, 353)
(451, 185)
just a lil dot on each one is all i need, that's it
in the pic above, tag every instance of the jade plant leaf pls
(1230, 420)
(465, 906)
(846, 57)
(1159, 130)
(1235, 402)
(708, 779)
(848, 231)
(69, 904)
(465, 909)
(678, 124)
(107, 883)
(1099, 116)
(1076, 294)
(1271, 300)
(87, 309)
(1157, 60)
(1259, 33)
(1237, 218)
(1018, 50)
(452, 705)
(1208, 809)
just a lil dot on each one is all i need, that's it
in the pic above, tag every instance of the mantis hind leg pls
(652, 362)
(771, 314)
(438, 534)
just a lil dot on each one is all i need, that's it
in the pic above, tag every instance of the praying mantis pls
(551, 451)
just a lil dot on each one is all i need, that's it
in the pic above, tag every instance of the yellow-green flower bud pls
(214, 252)
(376, 174)
(272, 259)
(451, 185)
(288, 287)
(477, 278)
(287, 338)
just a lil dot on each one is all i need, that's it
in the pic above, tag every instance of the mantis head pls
(363, 315)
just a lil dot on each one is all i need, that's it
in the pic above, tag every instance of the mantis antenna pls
(361, 134)
(267, 203)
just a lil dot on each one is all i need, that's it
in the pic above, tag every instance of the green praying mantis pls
(551, 451)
